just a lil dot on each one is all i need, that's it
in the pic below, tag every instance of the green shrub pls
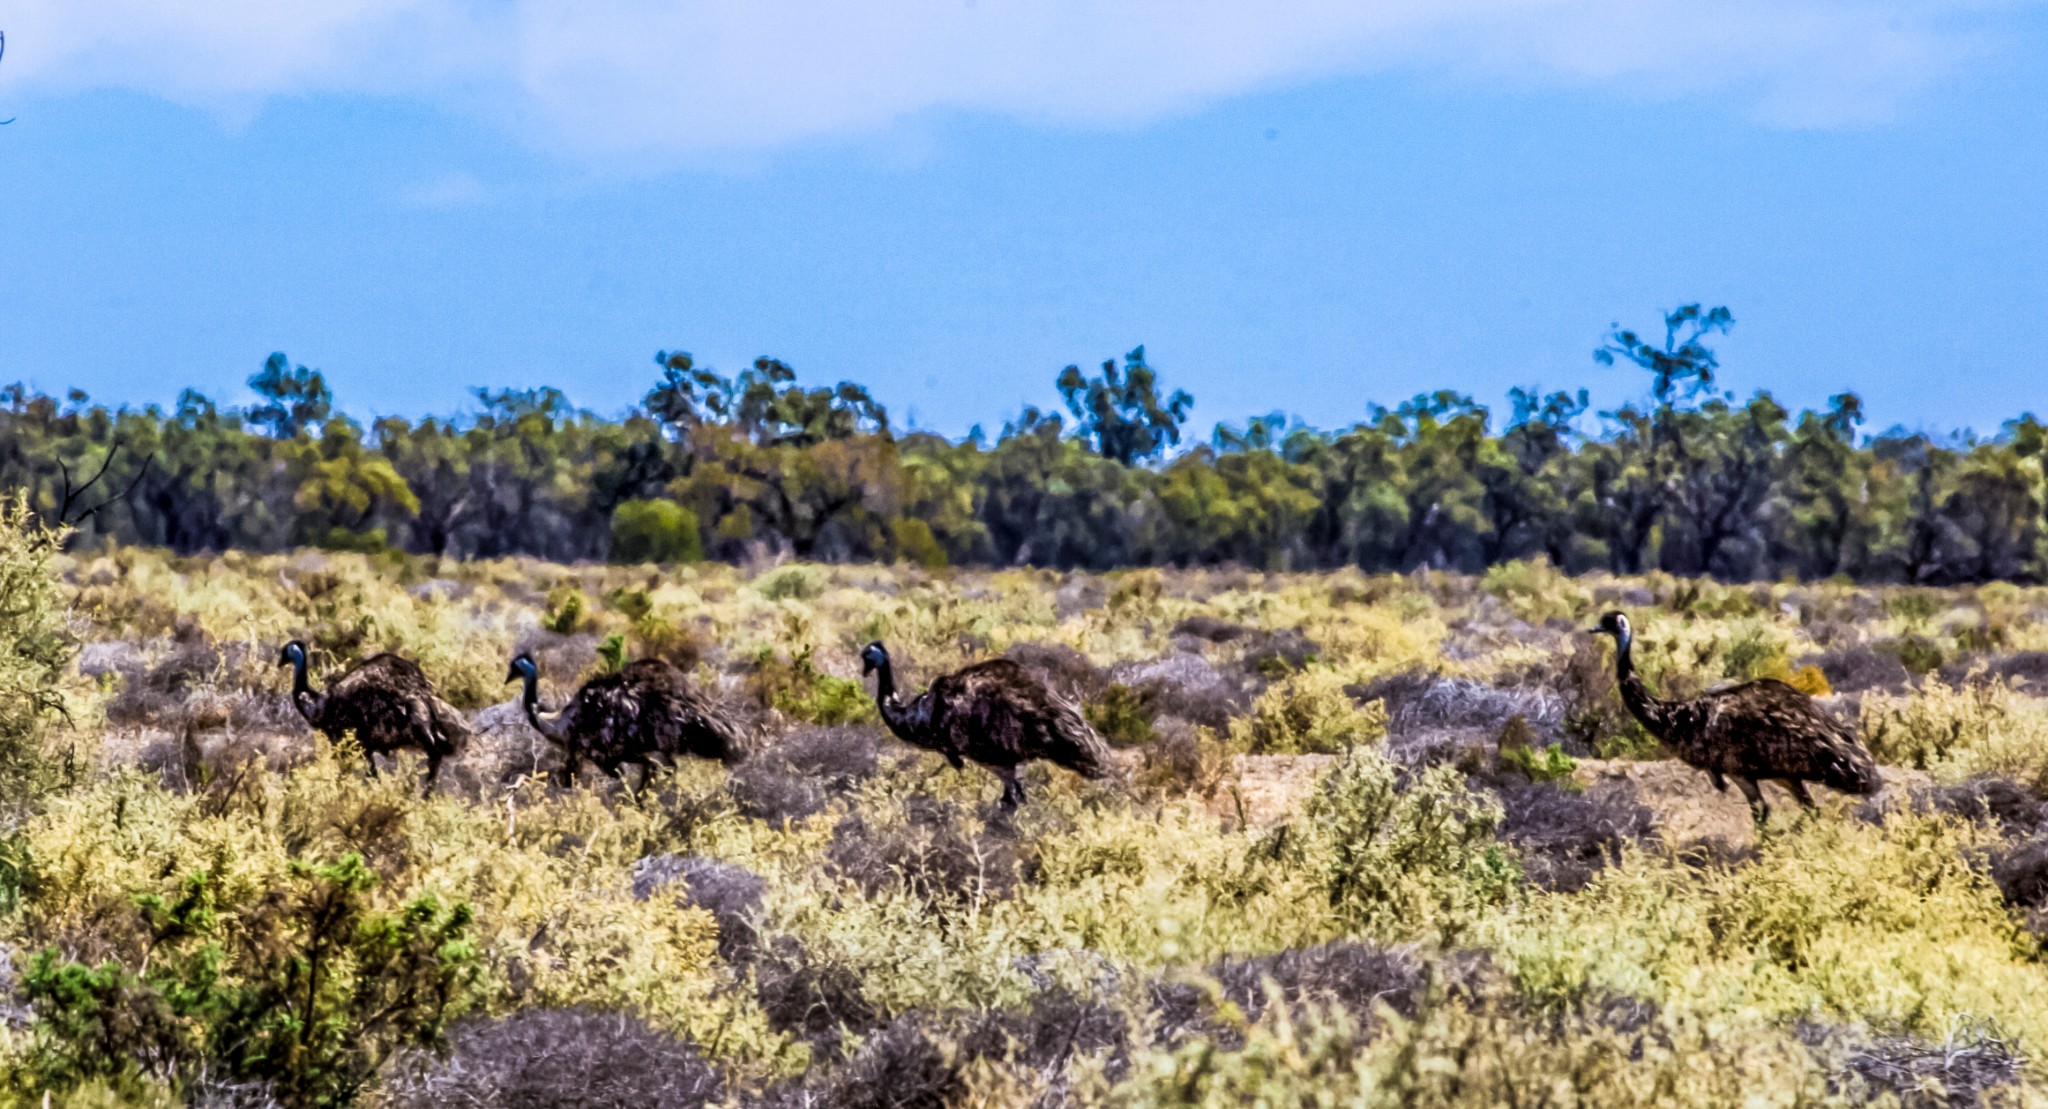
(1123, 715)
(1547, 764)
(1398, 861)
(308, 991)
(1917, 653)
(567, 611)
(34, 649)
(801, 691)
(1310, 713)
(655, 531)
(1754, 653)
(612, 653)
(793, 582)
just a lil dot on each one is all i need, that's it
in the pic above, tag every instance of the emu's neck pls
(899, 719)
(547, 724)
(304, 699)
(1654, 714)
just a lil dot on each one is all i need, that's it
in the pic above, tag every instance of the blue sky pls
(1296, 206)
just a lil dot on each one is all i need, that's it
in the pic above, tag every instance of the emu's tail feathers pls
(1847, 766)
(1076, 745)
(450, 723)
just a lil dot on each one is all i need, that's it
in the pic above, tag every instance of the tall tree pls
(1122, 412)
(294, 397)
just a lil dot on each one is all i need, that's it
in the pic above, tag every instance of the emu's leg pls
(1013, 787)
(370, 760)
(433, 772)
(1799, 791)
(646, 771)
(569, 766)
(1720, 783)
(1757, 808)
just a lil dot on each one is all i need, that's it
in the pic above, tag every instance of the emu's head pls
(294, 654)
(873, 657)
(522, 667)
(1614, 624)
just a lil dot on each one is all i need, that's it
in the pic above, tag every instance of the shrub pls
(1310, 713)
(568, 609)
(791, 777)
(655, 531)
(308, 991)
(794, 582)
(1409, 859)
(34, 649)
(801, 691)
(1547, 764)
(1123, 716)
(1917, 653)
(558, 1059)
(1565, 837)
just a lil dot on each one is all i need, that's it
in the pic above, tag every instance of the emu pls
(387, 702)
(1757, 731)
(644, 711)
(993, 712)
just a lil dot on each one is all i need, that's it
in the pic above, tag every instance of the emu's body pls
(1762, 730)
(994, 713)
(644, 712)
(387, 702)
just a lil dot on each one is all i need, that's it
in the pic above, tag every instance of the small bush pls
(731, 894)
(801, 691)
(308, 992)
(655, 531)
(567, 610)
(791, 777)
(1547, 764)
(1856, 669)
(1564, 837)
(1406, 858)
(1275, 655)
(816, 999)
(34, 649)
(1123, 715)
(931, 856)
(793, 582)
(1309, 714)
(558, 1059)
(1917, 653)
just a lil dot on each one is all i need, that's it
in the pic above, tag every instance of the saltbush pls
(1309, 713)
(1406, 858)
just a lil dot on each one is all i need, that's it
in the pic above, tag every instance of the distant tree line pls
(1688, 479)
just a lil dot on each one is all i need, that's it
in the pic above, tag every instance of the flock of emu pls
(993, 712)
(997, 714)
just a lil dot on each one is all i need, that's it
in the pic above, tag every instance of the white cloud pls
(626, 76)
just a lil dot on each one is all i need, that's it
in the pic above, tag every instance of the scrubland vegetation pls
(754, 465)
(1357, 854)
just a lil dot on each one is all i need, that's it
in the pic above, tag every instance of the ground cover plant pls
(1376, 840)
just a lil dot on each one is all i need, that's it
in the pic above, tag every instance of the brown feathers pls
(994, 713)
(1756, 731)
(387, 703)
(647, 711)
